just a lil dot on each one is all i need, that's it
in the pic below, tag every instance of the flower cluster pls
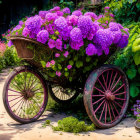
(2, 47)
(68, 33)
(137, 110)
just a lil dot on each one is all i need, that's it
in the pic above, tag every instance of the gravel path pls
(11, 130)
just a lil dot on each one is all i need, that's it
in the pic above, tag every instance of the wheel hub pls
(28, 94)
(109, 95)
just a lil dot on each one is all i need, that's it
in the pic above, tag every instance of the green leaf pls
(59, 67)
(134, 90)
(88, 59)
(66, 74)
(43, 63)
(71, 62)
(137, 58)
(52, 74)
(70, 79)
(75, 58)
(138, 5)
(136, 48)
(79, 64)
(66, 69)
(139, 70)
(131, 73)
(136, 45)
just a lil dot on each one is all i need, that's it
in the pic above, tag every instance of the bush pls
(9, 57)
(125, 10)
(71, 124)
(129, 60)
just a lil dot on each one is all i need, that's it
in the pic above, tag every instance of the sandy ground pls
(11, 130)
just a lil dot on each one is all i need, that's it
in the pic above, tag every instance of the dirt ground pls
(11, 130)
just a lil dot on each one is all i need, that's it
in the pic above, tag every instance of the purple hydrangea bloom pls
(77, 13)
(21, 22)
(61, 24)
(33, 23)
(43, 36)
(103, 38)
(72, 20)
(123, 41)
(51, 43)
(114, 26)
(59, 44)
(17, 28)
(25, 32)
(87, 27)
(76, 40)
(57, 8)
(66, 10)
(62, 27)
(10, 43)
(120, 26)
(116, 36)
(50, 28)
(91, 14)
(91, 50)
(51, 17)
(60, 13)
(42, 14)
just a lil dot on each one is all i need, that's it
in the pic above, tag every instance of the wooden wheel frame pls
(106, 96)
(25, 94)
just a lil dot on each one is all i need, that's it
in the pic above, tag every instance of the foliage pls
(71, 124)
(124, 10)
(128, 59)
(8, 57)
(64, 3)
(74, 40)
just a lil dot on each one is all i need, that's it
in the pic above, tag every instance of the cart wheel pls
(106, 96)
(61, 95)
(25, 94)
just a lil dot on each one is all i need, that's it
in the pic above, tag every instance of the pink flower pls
(65, 46)
(106, 22)
(69, 67)
(58, 73)
(57, 55)
(59, 44)
(111, 15)
(48, 64)
(51, 43)
(52, 62)
(10, 43)
(107, 8)
(66, 54)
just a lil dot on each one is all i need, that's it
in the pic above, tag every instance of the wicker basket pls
(21, 44)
